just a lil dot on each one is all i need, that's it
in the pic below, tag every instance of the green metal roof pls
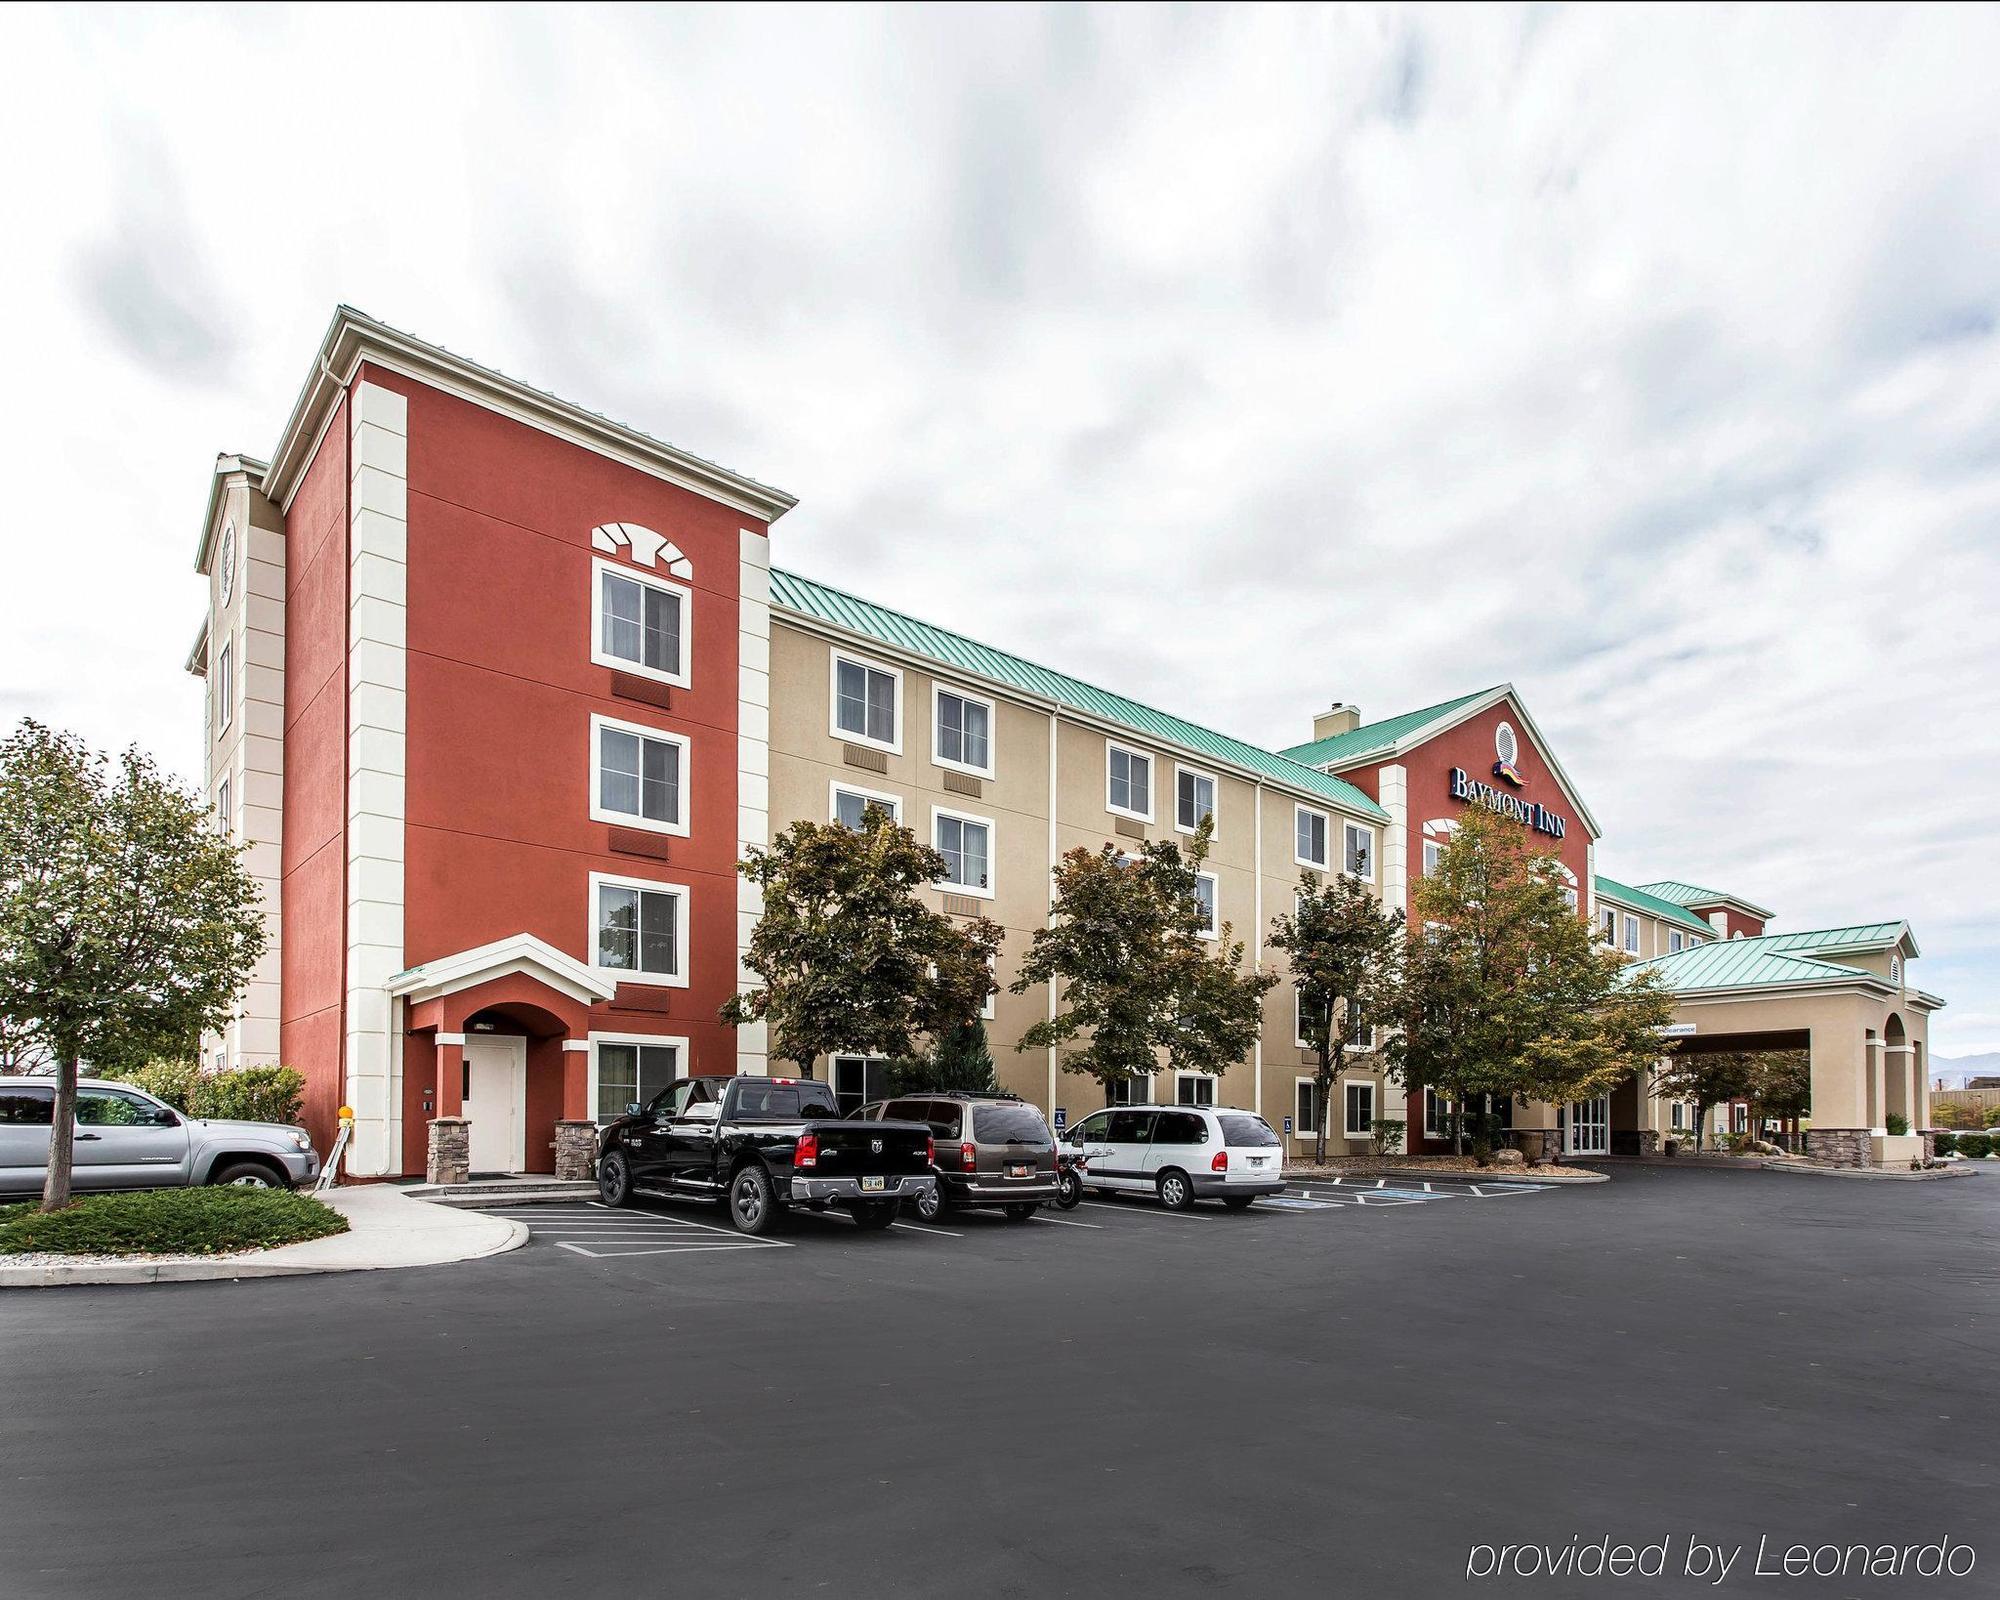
(1373, 738)
(1692, 894)
(1652, 905)
(1745, 964)
(1862, 936)
(792, 592)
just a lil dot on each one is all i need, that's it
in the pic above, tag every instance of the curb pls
(1873, 1174)
(1492, 1175)
(224, 1268)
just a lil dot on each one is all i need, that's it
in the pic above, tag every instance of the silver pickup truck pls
(126, 1139)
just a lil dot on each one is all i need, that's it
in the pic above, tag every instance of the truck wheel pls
(614, 1179)
(875, 1214)
(1176, 1193)
(250, 1175)
(751, 1208)
(929, 1205)
(1022, 1210)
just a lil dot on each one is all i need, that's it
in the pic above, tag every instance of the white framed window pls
(1310, 829)
(1304, 1016)
(846, 804)
(1569, 898)
(961, 731)
(223, 819)
(1360, 1032)
(1304, 1107)
(1676, 941)
(1358, 851)
(1128, 782)
(1194, 1089)
(1205, 892)
(1357, 1096)
(865, 702)
(1679, 1118)
(859, 1080)
(1437, 1115)
(993, 994)
(1631, 935)
(629, 1069)
(966, 843)
(1433, 857)
(225, 685)
(1194, 798)
(638, 930)
(638, 776)
(639, 623)
(1129, 1091)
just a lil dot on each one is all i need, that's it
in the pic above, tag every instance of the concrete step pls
(484, 1192)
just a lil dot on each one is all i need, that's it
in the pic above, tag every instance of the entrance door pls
(496, 1102)
(1587, 1127)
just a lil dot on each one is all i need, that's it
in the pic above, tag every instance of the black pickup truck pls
(758, 1145)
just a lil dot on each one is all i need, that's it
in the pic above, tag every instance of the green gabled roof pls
(1652, 905)
(1373, 738)
(1862, 936)
(808, 598)
(1692, 894)
(1745, 964)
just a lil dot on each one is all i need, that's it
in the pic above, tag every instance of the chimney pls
(1339, 718)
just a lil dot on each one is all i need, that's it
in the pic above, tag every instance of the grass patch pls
(170, 1222)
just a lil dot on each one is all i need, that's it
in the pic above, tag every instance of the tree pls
(127, 923)
(960, 1059)
(1705, 1079)
(850, 957)
(1346, 958)
(1125, 939)
(1507, 991)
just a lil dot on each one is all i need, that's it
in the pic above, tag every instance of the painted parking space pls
(599, 1232)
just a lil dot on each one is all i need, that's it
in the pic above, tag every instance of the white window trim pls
(1368, 835)
(1181, 1076)
(1676, 941)
(619, 880)
(626, 819)
(992, 729)
(225, 823)
(1630, 931)
(989, 1005)
(1299, 811)
(1428, 846)
(836, 787)
(595, 1039)
(1152, 785)
(603, 658)
(1215, 884)
(1299, 1128)
(1299, 1018)
(1215, 788)
(992, 850)
(225, 682)
(835, 656)
(1363, 1083)
(1348, 1035)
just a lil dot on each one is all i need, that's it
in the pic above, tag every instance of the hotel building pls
(500, 691)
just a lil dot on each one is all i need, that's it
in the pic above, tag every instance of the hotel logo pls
(1508, 749)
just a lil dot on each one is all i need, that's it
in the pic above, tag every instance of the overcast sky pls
(1239, 360)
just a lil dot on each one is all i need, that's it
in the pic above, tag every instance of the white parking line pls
(913, 1228)
(1133, 1211)
(673, 1250)
(1065, 1222)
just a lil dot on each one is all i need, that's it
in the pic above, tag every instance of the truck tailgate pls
(852, 1149)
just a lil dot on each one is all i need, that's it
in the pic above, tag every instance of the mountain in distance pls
(1954, 1070)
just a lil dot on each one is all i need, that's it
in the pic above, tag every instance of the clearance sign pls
(1526, 812)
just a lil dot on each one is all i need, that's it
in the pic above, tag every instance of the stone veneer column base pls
(449, 1157)
(576, 1150)
(1838, 1147)
(1539, 1144)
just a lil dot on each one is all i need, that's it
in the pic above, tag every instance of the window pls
(1204, 891)
(1305, 1108)
(1358, 857)
(1177, 1127)
(1310, 849)
(1009, 1124)
(1631, 935)
(1360, 1034)
(865, 699)
(1679, 1116)
(848, 806)
(638, 776)
(1310, 1017)
(1896, 969)
(222, 815)
(1675, 942)
(117, 1108)
(27, 1108)
(641, 624)
(1607, 925)
(967, 846)
(1129, 1127)
(963, 733)
(1569, 898)
(1433, 855)
(1193, 1089)
(992, 994)
(638, 929)
(1129, 1092)
(1128, 782)
(1437, 1116)
(225, 685)
(631, 1071)
(858, 1080)
(1194, 798)
(1359, 1099)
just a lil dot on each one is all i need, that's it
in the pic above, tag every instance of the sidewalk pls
(386, 1228)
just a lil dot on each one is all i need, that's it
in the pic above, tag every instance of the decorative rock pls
(1509, 1158)
(449, 1156)
(576, 1151)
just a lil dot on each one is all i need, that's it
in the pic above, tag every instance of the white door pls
(1588, 1127)
(496, 1103)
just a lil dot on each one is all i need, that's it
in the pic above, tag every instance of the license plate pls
(870, 1185)
(1258, 1161)
(1020, 1172)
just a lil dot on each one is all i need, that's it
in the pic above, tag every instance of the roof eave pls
(227, 466)
(197, 656)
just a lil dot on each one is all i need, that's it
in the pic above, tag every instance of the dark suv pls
(991, 1150)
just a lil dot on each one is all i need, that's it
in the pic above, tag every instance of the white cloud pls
(1239, 359)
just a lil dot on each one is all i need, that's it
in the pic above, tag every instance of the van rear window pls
(1009, 1125)
(1239, 1131)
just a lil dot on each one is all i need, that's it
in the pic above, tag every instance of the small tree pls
(850, 957)
(1346, 959)
(1507, 992)
(961, 1059)
(1705, 1080)
(127, 923)
(1126, 941)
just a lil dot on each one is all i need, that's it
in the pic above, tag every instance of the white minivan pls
(1180, 1153)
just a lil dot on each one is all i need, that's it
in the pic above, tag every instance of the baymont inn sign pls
(1527, 812)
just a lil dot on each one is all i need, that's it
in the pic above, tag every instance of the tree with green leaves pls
(1507, 991)
(849, 955)
(127, 922)
(1704, 1080)
(1126, 940)
(960, 1059)
(1346, 959)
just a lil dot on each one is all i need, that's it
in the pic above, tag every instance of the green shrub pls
(1974, 1144)
(1947, 1143)
(152, 1222)
(251, 1094)
(168, 1080)
(1991, 1116)
(1897, 1124)
(1386, 1134)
